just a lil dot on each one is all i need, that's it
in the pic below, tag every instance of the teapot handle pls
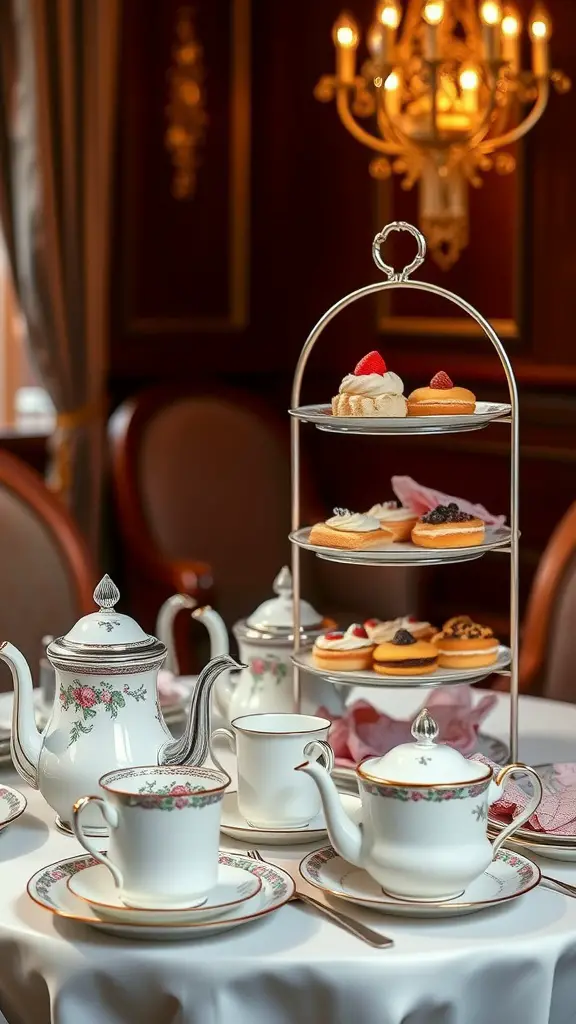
(528, 810)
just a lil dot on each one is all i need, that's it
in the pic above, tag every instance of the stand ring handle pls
(380, 238)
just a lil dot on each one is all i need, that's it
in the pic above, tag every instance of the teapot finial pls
(424, 728)
(283, 582)
(106, 595)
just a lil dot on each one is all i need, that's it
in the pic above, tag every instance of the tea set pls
(414, 842)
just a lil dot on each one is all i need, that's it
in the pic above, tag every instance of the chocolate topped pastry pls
(404, 655)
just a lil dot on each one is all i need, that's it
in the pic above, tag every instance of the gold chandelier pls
(445, 85)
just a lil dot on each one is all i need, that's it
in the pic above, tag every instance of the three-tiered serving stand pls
(322, 418)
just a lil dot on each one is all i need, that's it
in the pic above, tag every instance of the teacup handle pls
(324, 751)
(225, 734)
(514, 769)
(110, 815)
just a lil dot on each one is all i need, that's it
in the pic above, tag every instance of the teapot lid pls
(106, 641)
(424, 762)
(275, 618)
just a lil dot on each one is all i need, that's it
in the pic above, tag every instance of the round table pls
(514, 965)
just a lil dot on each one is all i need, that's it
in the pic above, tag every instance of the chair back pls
(548, 650)
(46, 573)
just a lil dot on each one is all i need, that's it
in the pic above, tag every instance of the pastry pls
(394, 517)
(441, 398)
(371, 390)
(465, 644)
(379, 631)
(344, 652)
(447, 527)
(404, 655)
(350, 530)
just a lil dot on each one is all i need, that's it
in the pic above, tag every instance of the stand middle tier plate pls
(438, 677)
(405, 553)
(321, 416)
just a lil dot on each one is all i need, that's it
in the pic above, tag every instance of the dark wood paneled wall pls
(225, 287)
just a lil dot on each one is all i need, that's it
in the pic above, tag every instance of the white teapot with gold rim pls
(424, 815)
(265, 641)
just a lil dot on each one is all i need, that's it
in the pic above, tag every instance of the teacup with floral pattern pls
(155, 810)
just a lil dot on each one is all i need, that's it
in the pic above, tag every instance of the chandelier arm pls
(387, 127)
(485, 124)
(489, 145)
(345, 115)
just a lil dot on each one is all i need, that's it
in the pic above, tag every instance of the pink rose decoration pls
(258, 667)
(62, 697)
(181, 802)
(416, 795)
(85, 696)
(106, 696)
(179, 791)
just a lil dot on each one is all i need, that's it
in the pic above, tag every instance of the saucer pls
(233, 824)
(510, 875)
(49, 889)
(95, 885)
(565, 853)
(12, 805)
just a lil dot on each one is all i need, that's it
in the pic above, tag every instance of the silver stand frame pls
(401, 280)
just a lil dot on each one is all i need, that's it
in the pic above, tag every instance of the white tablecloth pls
(515, 965)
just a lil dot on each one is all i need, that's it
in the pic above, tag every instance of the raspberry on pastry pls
(447, 527)
(404, 655)
(343, 652)
(465, 644)
(372, 390)
(441, 398)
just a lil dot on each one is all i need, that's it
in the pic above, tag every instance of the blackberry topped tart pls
(404, 655)
(446, 526)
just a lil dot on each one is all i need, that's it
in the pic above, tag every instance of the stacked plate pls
(80, 889)
(551, 845)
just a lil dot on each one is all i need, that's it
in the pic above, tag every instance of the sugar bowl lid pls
(105, 640)
(424, 762)
(274, 618)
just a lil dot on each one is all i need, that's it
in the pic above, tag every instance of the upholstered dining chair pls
(548, 632)
(202, 483)
(46, 572)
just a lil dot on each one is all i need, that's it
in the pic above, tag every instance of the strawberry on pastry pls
(344, 652)
(372, 390)
(441, 398)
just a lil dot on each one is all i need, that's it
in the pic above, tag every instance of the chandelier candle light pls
(445, 85)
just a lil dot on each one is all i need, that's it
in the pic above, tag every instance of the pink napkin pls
(363, 731)
(556, 813)
(422, 499)
(170, 691)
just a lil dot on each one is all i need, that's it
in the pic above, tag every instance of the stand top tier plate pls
(321, 416)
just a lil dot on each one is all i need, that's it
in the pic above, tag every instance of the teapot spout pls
(194, 745)
(25, 740)
(345, 836)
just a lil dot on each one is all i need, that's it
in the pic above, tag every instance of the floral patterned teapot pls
(424, 814)
(265, 640)
(106, 712)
